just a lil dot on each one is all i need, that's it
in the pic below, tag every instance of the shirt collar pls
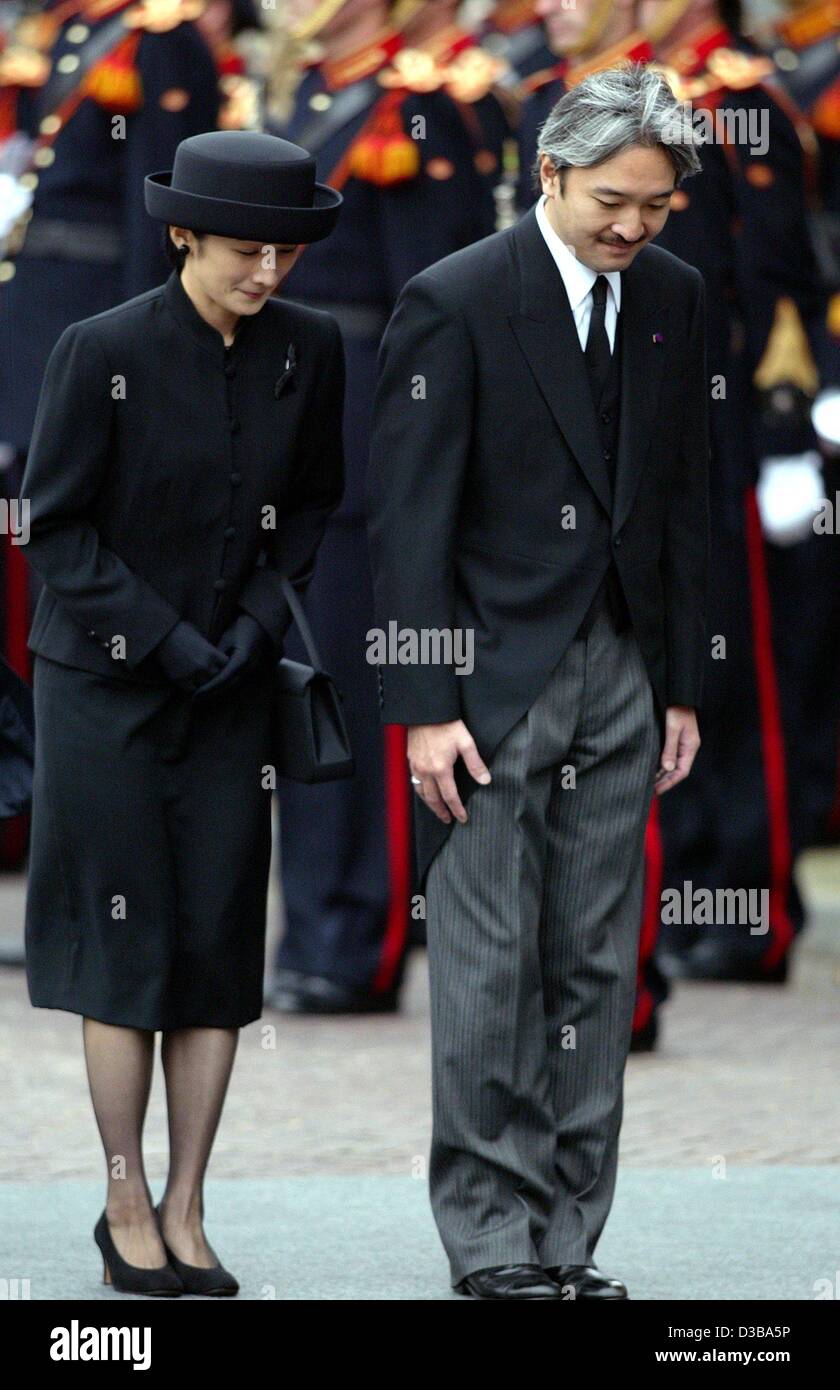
(181, 306)
(577, 277)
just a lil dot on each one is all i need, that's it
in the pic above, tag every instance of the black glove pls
(187, 658)
(245, 643)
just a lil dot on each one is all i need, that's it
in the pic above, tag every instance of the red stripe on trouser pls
(772, 742)
(14, 832)
(650, 914)
(17, 610)
(398, 841)
(833, 822)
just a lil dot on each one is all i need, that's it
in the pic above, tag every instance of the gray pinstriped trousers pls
(533, 910)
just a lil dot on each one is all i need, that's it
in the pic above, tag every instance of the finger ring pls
(416, 782)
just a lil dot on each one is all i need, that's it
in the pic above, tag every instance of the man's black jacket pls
(484, 431)
(168, 479)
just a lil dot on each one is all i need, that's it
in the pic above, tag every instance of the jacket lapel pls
(546, 332)
(642, 361)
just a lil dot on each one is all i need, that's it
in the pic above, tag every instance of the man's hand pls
(433, 750)
(681, 743)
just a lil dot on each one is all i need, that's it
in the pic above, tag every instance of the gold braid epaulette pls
(727, 70)
(413, 70)
(473, 73)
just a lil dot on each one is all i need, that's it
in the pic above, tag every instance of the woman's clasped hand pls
(195, 665)
(244, 643)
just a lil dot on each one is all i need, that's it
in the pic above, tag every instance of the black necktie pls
(598, 355)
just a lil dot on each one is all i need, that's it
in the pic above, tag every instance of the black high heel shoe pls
(217, 1282)
(161, 1282)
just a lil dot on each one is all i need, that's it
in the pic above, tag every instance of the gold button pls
(7, 270)
(77, 33)
(786, 59)
(759, 175)
(68, 63)
(49, 125)
(29, 180)
(320, 102)
(485, 161)
(44, 157)
(175, 99)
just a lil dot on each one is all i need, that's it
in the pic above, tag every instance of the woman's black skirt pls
(150, 848)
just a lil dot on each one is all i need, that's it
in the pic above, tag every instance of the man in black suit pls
(539, 485)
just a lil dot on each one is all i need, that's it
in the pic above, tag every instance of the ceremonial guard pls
(805, 49)
(120, 85)
(513, 31)
(94, 94)
(241, 95)
(806, 55)
(474, 79)
(743, 224)
(591, 35)
(385, 132)
(179, 479)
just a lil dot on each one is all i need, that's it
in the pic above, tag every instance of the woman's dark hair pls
(176, 255)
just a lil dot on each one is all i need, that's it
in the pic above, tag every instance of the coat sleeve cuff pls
(263, 598)
(423, 696)
(141, 635)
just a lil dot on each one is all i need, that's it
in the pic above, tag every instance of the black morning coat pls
(154, 458)
(467, 483)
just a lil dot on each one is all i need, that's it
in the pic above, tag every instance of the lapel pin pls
(657, 338)
(289, 371)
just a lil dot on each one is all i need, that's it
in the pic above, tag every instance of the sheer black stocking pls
(197, 1064)
(119, 1068)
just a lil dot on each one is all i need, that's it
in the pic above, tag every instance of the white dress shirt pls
(579, 279)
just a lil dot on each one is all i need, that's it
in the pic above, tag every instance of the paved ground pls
(729, 1181)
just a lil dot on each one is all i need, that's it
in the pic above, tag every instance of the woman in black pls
(186, 454)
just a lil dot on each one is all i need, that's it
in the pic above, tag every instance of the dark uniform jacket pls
(154, 458)
(742, 223)
(103, 247)
(467, 486)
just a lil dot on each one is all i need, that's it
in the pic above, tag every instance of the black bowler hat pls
(245, 184)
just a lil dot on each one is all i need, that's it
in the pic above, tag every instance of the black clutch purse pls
(310, 735)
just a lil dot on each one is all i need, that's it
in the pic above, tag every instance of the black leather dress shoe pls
(517, 1282)
(295, 993)
(588, 1282)
(711, 959)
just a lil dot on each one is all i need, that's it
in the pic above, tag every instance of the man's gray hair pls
(613, 109)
